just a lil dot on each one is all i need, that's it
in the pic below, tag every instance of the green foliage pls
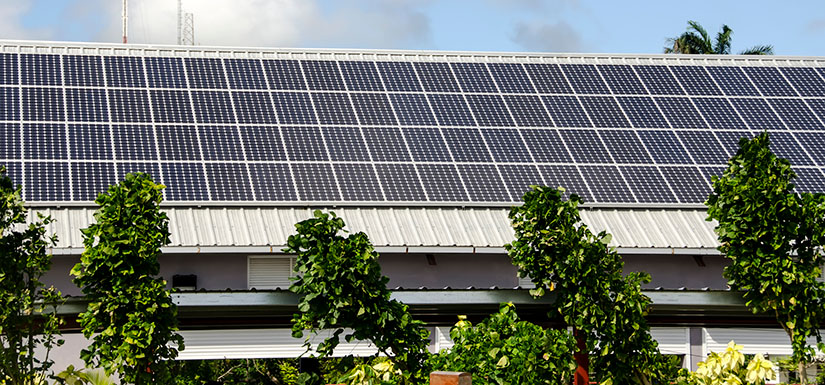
(239, 371)
(341, 287)
(504, 350)
(562, 256)
(28, 317)
(773, 237)
(696, 40)
(729, 368)
(129, 307)
(71, 376)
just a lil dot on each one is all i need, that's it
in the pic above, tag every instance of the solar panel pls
(606, 184)
(386, 144)
(134, 142)
(511, 78)
(604, 111)
(695, 80)
(41, 70)
(14, 170)
(622, 79)
(294, 108)
(220, 143)
(805, 80)
(451, 110)
(585, 79)
(566, 111)
(506, 145)
(427, 144)
(642, 112)
(400, 182)
(124, 168)
(263, 143)
(809, 180)
(346, 144)
(681, 113)
(358, 182)
(86, 105)
(322, 75)
(361, 76)
(442, 183)
(44, 141)
(10, 137)
(436, 77)
(703, 146)
(254, 108)
(795, 114)
(43, 104)
(284, 75)
(47, 181)
(664, 147)
(518, 178)
(175, 143)
(818, 106)
(528, 111)
(687, 183)
(784, 145)
(466, 145)
(647, 184)
(814, 145)
(272, 182)
(229, 181)
(129, 105)
(88, 141)
(399, 76)
(474, 77)
(546, 146)
(304, 143)
(489, 110)
(567, 177)
(185, 182)
(659, 80)
(585, 146)
(245, 74)
(732, 81)
(212, 107)
(719, 113)
(315, 182)
(168, 106)
(333, 108)
(412, 109)
(86, 71)
(165, 72)
(90, 179)
(483, 183)
(757, 114)
(373, 109)
(124, 71)
(548, 79)
(769, 81)
(8, 69)
(205, 73)
(9, 104)
(625, 146)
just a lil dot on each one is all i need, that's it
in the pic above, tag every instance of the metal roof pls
(405, 229)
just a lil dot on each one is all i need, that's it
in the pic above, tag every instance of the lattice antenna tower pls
(125, 20)
(188, 29)
(180, 23)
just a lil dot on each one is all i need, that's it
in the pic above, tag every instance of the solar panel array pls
(275, 130)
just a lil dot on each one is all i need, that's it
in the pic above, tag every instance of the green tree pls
(28, 317)
(129, 308)
(341, 287)
(696, 40)
(773, 236)
(505, 350)
(563, 257)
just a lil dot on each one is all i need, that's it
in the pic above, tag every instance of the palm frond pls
(723, 38)
(758, 50)
(698, 29)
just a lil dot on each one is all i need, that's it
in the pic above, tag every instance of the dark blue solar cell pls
(294, 108)
(427, 144)
(304, 143)
(585, 79)
(399, 76)
(284, 75)
(451, 110)
(695, 80)
(205, 73)
(703, 147)
(659, 80)
(606, 184)
(732, 81)
(90, 142)
(131, 106)
(213, 107)
(436, 77)
(178, 143)
(710, 171)
(47, 182)
(506, 145)
(185, 182)
(86, 105)
(165, 72)
(642, 112)
(358, 182)
(333, 108)
(8, 68)
(386, 144)
(484, 183)
(43, 104)
(323, 75)
(134, 142)
(474, 77)
(83, 71)
(490, 110)
(171, 106)
(228, 181)
(769, 81)
(806, 81)
(730, 139)
(818, 106)
(124, 71)
(758, 114)
(40, 70)
(263, 143)
(784, 145)
(346, 144)
(518, 178)
(687, 182)
(245, 74)
(315, 182)
(44, 141)
(373, 109)
(528, 111)
(10, 137)
(466, 145)
(442, 183)
(566, 111)
(809, 180)
(548, 79)
(123, 168)
(622, 79)
(546, 146)
(272, 182)
(665, 147)
(14, 170)
(412, 109)
(681, 113)
(221, 143)
(814, 144)
(9, 104)
(625, 146)
(511, 78)
(567, 177)
(254, 108)
(91, 179)
(361, 76)
(604, 111)
(647, 184)
(400, 182)
(585, 146)
(719, 113)
(796, 114)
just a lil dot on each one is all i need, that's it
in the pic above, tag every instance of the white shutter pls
(269, 272)
(526, 282)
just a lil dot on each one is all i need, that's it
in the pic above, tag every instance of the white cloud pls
(11, 27)
(547, 37)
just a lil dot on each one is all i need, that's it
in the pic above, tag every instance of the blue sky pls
(794, 27)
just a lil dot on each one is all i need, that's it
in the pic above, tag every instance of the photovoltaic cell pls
(333, 108)
(304, 143)
(473, 77)
(373, 109)
(436, 77)
(153, 169)
(805, 80)
(220, 143)
(44, 141)
(451, 110)
(386, 144)
(322, 75)
(8, 69)
(426, 144)
(212, 107)
(47, 181)
(785, 146)
(10, 137)
(284, 75)
(315, 182)
(14, 170)
(659, 80)
(9, 104)
(262, 143)
(466, 145)
(43, 104)
(622, 79)
(664, 147)
(246, 74)
(818, 106)
(546, 146)
(442, 183)
(606, 184)
(483, 183)
(254, 108)
(814, 143)
(229, 182)
(528, 111)
(171, 106)
(710, 171)
(730, 139)
(548, 79)
(511, 78)
(272, 182)
(412, 109)
(567, 177)
(703, 146)
(719, 113)
(185, 182)
(585, 79)
(361, 76)
(165, 72)
(585, 146)
(490, 110)
(124, 71)
(518, 179)
(695, 80)
(294, 108)
(732, 81)
(757, 114)
(809, 180)
(566, 111)
(86, 105)
(205, 73)
(625, 146)
(399, 76)
(84, 71)
(680, 112)
(642, 112)
(346, 144)
(604, 111)
(506, 145)
(358, 182)
(134, 142)
(40, 70)
(175, 143)
(400, 182)
(90, 179)
(795, 114)
(129, 106)
(90, 142)
(769, 81)
(647, 184)
(688, 183)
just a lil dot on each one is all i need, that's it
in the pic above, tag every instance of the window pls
(269, 272)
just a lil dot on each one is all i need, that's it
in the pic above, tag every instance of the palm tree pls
(696, 40)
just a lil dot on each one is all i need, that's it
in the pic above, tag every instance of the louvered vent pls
(526, 283)
(269, 272)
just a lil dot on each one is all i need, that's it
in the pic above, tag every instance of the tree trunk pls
(582, 375)
(803, 372)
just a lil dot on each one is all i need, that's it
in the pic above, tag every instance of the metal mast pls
(125, 20)
(188, 35)
(180, 23)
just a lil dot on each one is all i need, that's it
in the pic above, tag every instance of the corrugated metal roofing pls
(457, 229)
